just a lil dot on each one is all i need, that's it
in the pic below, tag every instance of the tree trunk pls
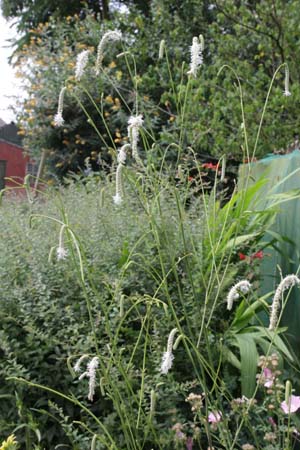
(104, 5)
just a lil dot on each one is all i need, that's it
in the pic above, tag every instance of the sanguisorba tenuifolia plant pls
(176, 273)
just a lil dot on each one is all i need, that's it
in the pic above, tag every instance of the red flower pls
(210, 166)
(258, 255)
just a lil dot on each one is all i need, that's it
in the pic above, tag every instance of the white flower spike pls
(286, 91)
(196, 56)
(58, 118)
(288, 282)
(234, 293)
(134, 125)
(81, 62)
(118, 198)
(122, 155)
(108, 36)
(77, 366)
(91, 374)
(167, 359)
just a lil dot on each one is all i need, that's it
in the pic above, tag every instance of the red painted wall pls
(15, 162)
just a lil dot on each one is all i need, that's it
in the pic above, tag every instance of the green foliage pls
(154, 263)
(163, 259)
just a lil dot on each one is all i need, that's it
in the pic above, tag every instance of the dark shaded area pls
(9, 133)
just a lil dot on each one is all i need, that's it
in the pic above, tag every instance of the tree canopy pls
(251, 38)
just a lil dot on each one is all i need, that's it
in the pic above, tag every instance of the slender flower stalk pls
(108, 36)
(81, 62)
(134, 125)
(234, 293)
(286, 91)
(288, 282)
(167, 359)
(61, 252)
(58, 118)
(196, 57)
(91, 373)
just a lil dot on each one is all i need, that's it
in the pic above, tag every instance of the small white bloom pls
(196, 57)
(108, 36)
(91, 373)
(134, 125)
(234, 293)
(167, 359)
(288, 282)
(82, 60)
(61, 253)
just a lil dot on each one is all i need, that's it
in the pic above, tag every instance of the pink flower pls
(268, 376)
(292, 406)
(215, 416)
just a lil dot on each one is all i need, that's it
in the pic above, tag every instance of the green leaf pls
(249, 357)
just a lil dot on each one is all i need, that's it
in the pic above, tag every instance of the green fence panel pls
(283, 174)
